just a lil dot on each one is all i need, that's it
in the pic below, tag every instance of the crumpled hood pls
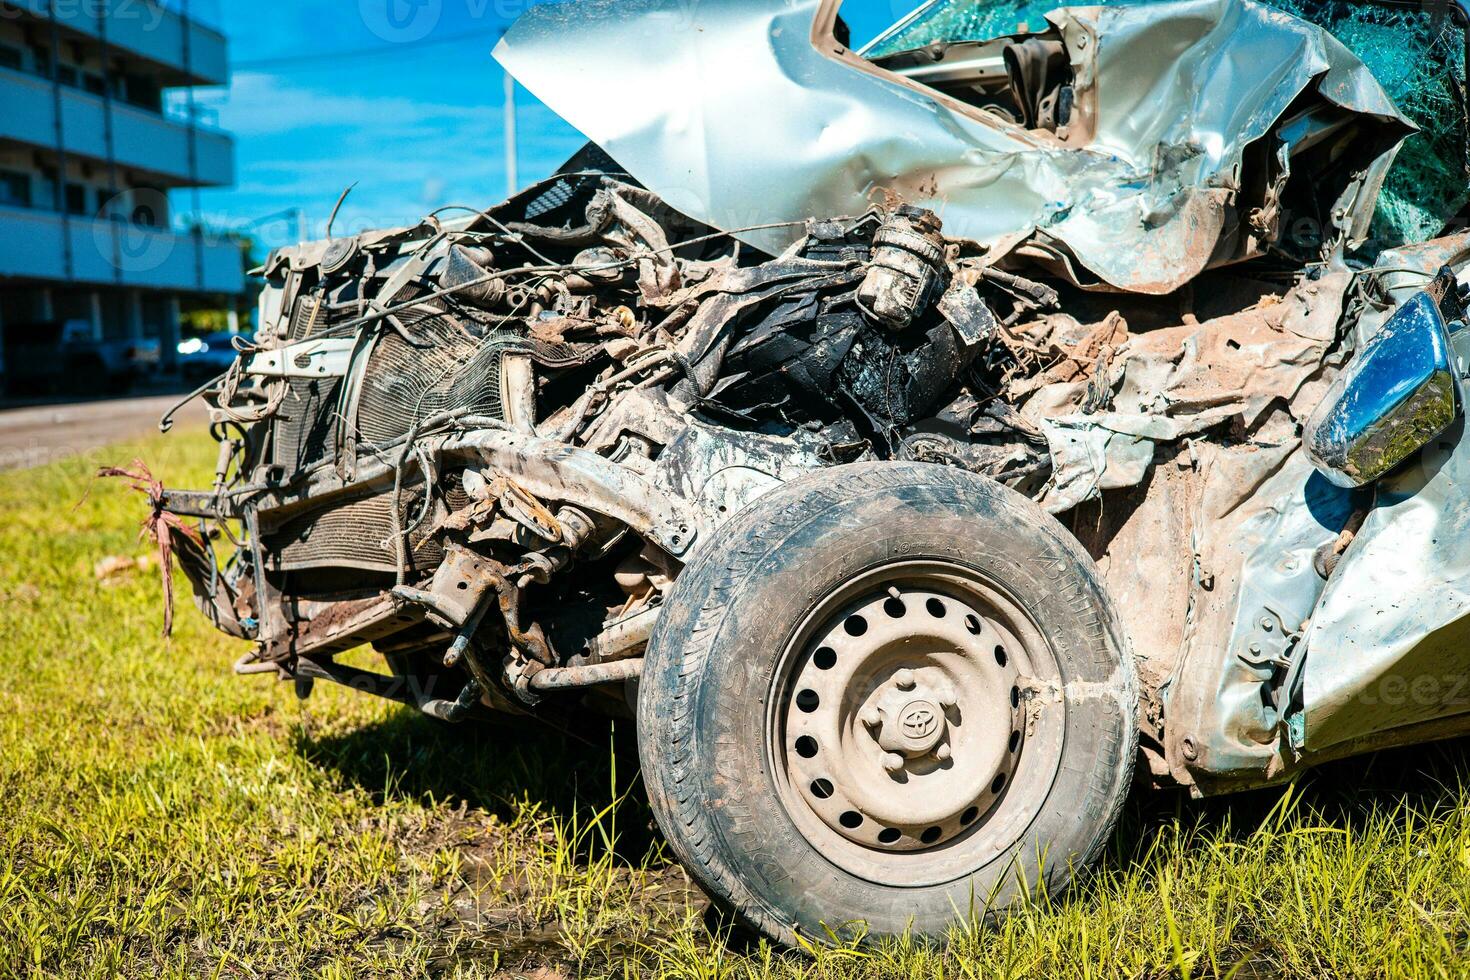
(728, 111)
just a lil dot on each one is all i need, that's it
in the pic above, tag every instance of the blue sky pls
(400, 96)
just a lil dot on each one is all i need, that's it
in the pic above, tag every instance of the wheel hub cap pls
(905, 720)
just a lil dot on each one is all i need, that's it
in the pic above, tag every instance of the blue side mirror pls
(1399, 392)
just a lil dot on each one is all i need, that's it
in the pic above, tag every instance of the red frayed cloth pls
(159, 525)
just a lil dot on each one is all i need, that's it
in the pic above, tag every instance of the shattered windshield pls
(1417, 54)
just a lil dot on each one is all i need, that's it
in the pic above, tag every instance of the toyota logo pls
(919, 720)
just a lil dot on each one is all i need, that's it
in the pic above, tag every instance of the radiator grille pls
(306, 423)
(358, 534)
(445, 368)
(303, 430)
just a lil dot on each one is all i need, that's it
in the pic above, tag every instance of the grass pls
(160, 817)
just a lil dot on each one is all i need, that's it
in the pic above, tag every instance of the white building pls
(97, 126)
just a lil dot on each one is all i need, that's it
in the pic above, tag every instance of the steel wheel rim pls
(904, 729)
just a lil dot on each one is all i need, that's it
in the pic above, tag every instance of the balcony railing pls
(155, 30)
(142, 140)
(34, 245)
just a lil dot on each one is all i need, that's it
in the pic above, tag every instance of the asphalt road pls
(36, 435)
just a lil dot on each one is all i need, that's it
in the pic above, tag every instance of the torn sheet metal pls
(1173, 383)
(1143, 202)
(1261, 516)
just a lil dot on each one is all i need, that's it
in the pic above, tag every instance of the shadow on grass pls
(496, 768)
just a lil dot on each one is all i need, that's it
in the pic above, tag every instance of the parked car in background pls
(205, 357)
(61, 357)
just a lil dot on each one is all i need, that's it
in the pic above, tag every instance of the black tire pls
(713, 674)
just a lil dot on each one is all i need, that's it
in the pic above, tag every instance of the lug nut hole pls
(807, 700)
(998, 783)
(1015, 741)
(968, 817)
(822, 789)
(1000, 656)
(855, 626)
(1015, 697)
(931, 835)
(895, 609)
(851, 819)
(806, 747)
(825, 658)
(972, 623)
(889, 836)
(936, 608)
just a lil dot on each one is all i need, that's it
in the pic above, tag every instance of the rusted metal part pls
(530, 640)
(519, 504)
(1328, 556)
(570, 678)
(250, 664)
(457, 710)
(623, 639)
(406, 689)
(195, 503)
(549, 470)
(342, 626)
(459, 584)
(557, 472)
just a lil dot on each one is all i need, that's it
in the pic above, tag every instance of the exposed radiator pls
(359, 534)
(303, 432)
(444, 367)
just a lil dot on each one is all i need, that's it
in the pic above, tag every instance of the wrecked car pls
(913, 439)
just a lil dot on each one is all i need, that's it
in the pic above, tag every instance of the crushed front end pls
(487, 446)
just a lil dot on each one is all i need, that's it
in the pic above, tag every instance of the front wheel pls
(884, 698)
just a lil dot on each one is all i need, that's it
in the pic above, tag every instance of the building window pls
(10, 57)
(67, 75)
(15, 188)
(76, 200)
(45, 188)
(95, 84)
(144, 93)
